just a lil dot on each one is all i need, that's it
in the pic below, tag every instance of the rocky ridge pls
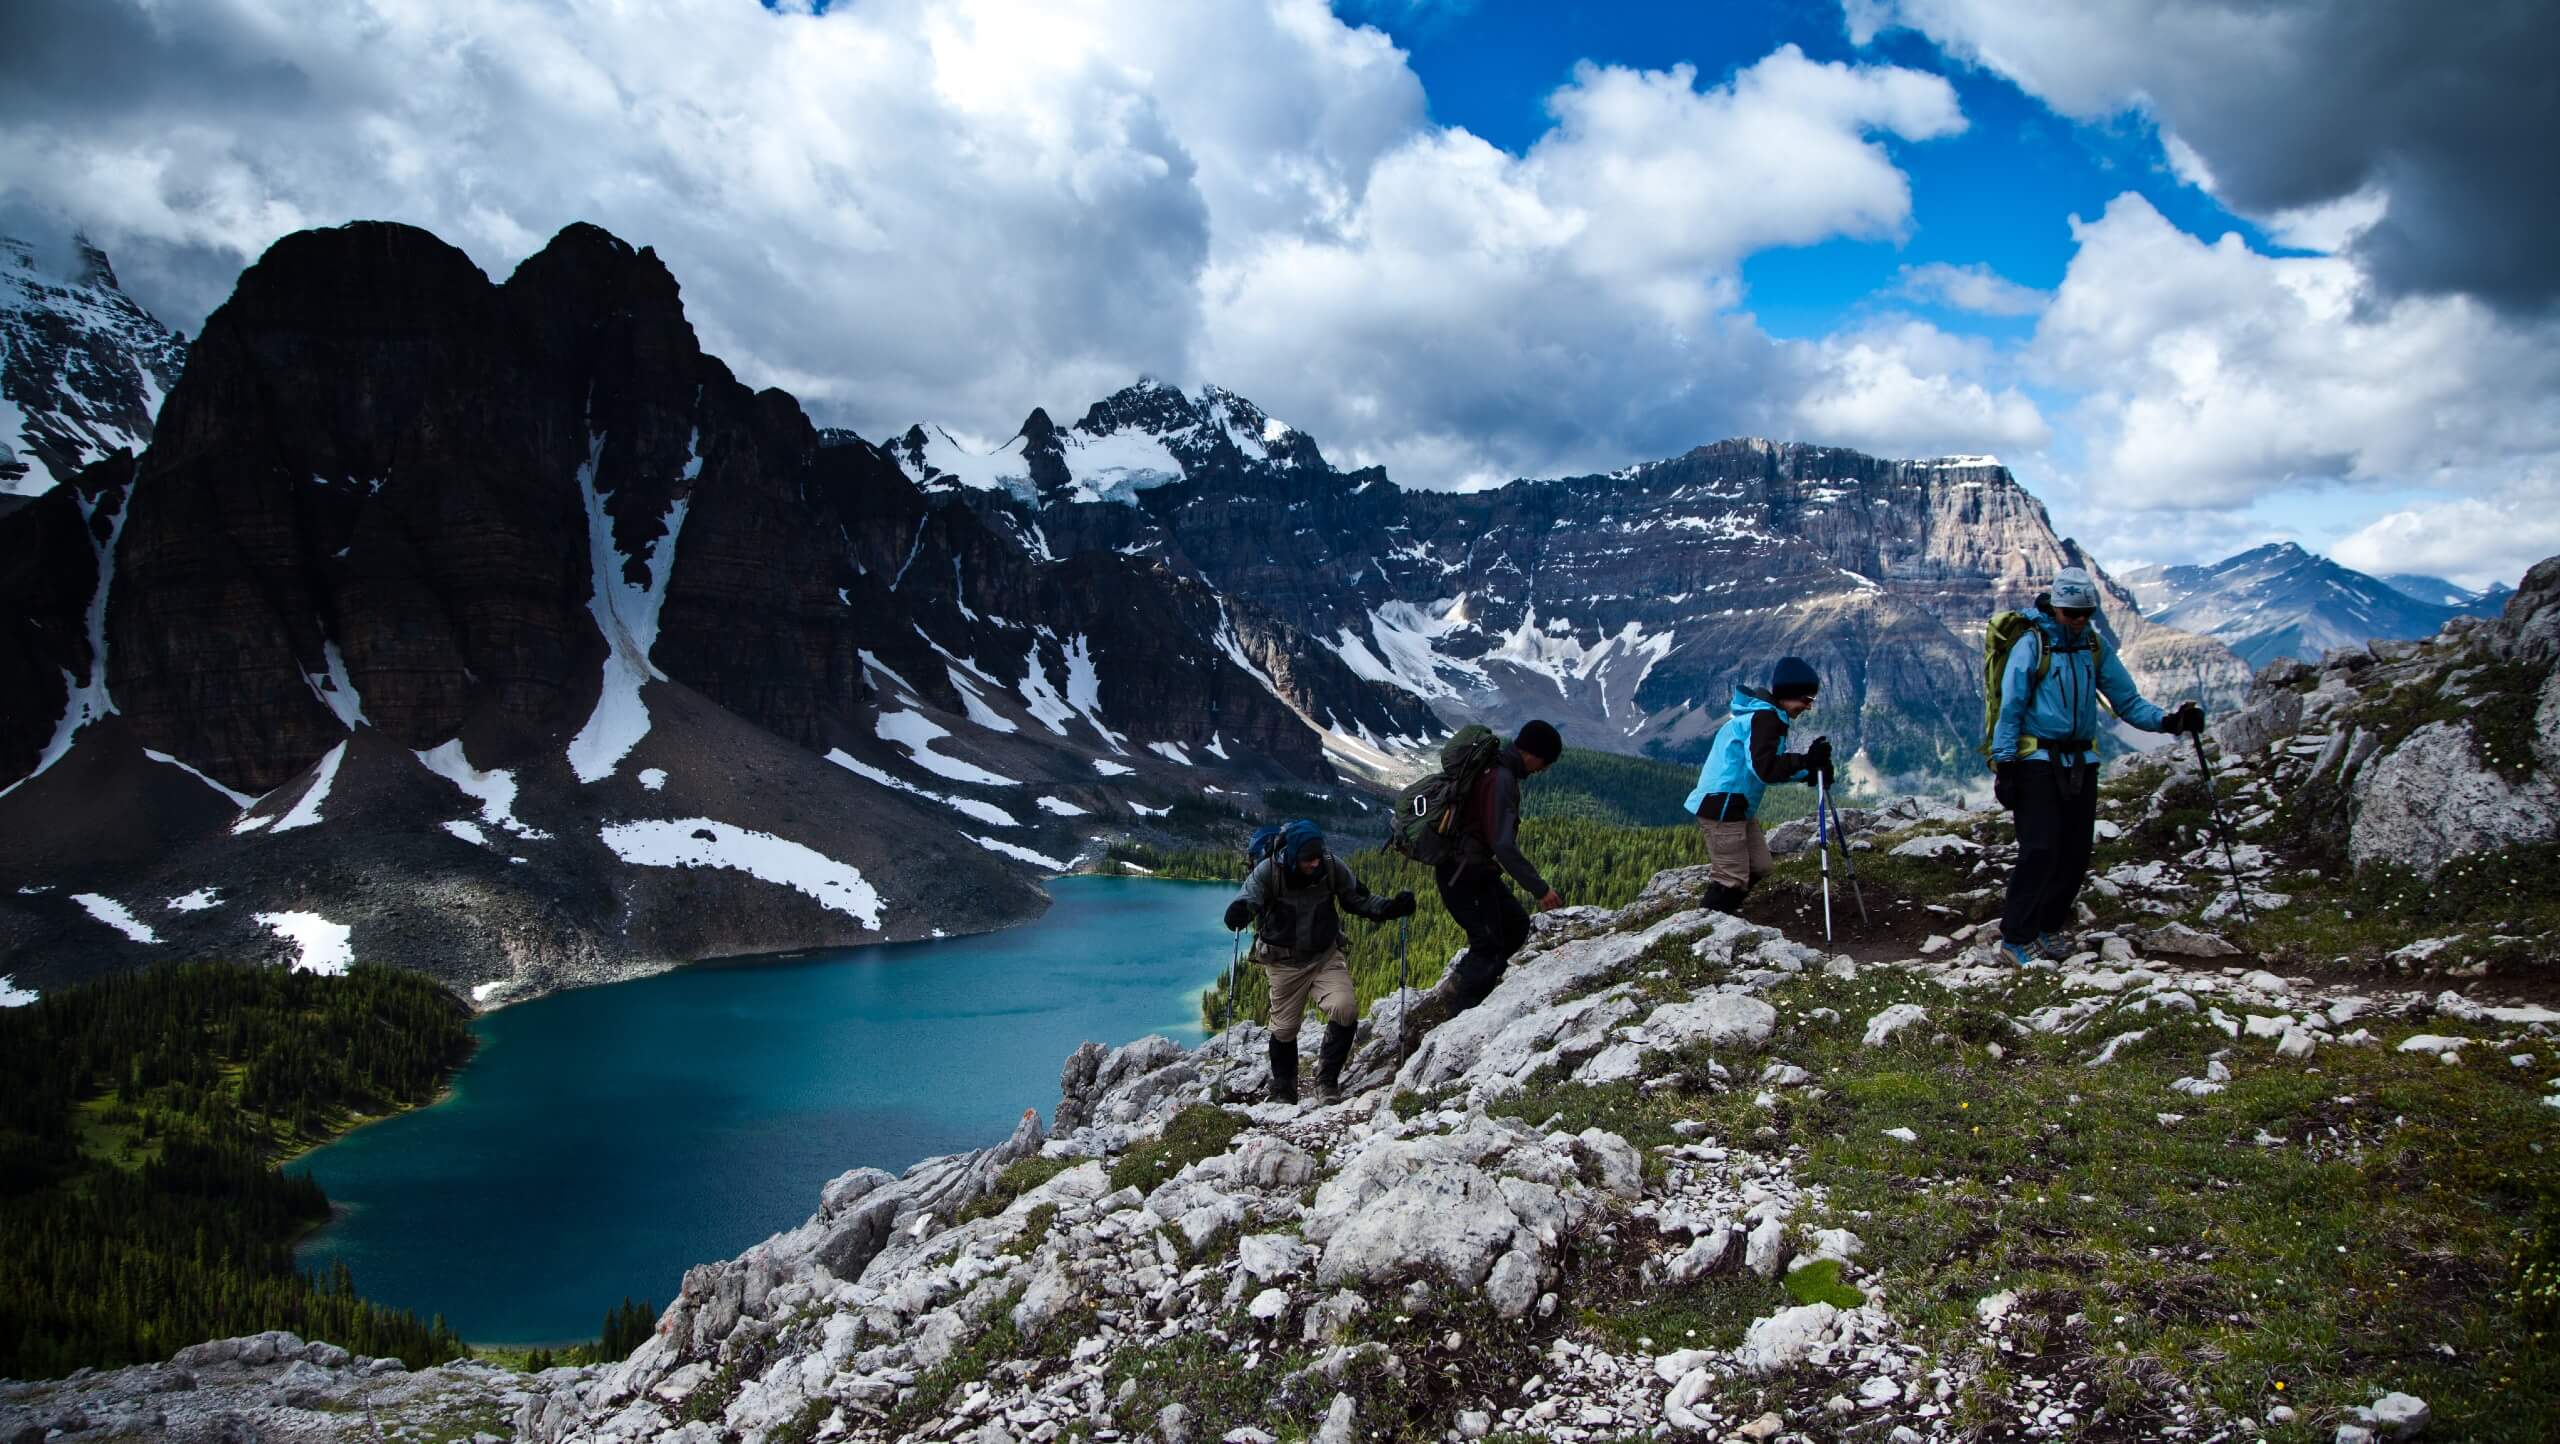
(1625, 605)
(82, 366)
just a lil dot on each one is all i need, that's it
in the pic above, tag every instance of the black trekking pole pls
(1840, 830)
(1404, 1002)
(1235, 949)
(2213, 796)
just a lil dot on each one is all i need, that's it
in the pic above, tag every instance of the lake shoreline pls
(542, 1188)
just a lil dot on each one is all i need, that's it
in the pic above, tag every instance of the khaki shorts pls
(1328, 979)
(1737, 852)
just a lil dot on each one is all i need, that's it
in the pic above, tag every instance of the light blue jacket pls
(2066, 703)
(1728, 766)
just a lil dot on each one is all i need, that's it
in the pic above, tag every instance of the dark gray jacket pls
(1297, 917)
(1489, 830)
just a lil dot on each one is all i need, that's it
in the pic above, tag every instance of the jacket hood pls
(1751, 699)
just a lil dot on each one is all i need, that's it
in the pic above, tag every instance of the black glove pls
(2004, 785)
(1399, 906)
(1817, 761)
(2189, 718)
(1238, 914)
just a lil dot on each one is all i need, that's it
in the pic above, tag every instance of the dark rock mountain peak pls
(83, 367)
(510, 589)
(2280, 600)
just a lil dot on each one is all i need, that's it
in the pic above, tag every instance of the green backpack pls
(1997, 639)
(1426, 822)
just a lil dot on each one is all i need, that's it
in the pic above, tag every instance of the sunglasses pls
(2075, 614)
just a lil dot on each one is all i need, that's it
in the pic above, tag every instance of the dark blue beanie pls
(1300, 840)
(1793, 677)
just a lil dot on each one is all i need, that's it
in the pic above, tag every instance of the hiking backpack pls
(1264, 842)
(1426, 825)
(1998, 639)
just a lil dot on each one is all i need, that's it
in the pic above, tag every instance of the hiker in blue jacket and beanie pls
(2044, 753)
(1748, 754)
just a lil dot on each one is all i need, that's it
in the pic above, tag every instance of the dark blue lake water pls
(604, 1140)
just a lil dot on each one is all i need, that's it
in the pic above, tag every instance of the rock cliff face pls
(82, 367)
(1623, 606)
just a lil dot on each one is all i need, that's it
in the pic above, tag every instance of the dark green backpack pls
(1997, 641)
(1426, 825)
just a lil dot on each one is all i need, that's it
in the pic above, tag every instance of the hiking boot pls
(1329, 1060)
(2016, 955)
(1284, 1070)
(2056, 946)
(1725, 899)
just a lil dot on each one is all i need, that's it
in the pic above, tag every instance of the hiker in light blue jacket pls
(1749, 753)
(2044, 750)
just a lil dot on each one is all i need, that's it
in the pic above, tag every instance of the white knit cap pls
(2072, 588)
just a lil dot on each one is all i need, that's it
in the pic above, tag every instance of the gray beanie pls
(2072, 588)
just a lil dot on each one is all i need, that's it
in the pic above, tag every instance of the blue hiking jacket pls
(2065, 704)
(1728, 768)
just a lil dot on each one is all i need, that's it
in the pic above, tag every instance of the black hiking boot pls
(1284, 1070)
(1329, 1061)
(1725, 899)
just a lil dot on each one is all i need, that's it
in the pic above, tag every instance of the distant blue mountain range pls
(2280, 600)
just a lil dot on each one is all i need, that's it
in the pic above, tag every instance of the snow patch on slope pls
(1020, 853)
(702, 842)
(627, 615)
(494, 790)
(307, 811)
(325, 947)
(916, 732)
(116, 915)
(87, 700)
(983, 811)
(240, 800)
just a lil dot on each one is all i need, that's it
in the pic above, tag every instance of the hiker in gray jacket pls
(1290, 897)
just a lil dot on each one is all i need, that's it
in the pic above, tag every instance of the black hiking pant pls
(1482, 906)
(2056, 828)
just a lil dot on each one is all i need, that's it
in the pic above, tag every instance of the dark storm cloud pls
(2451, 111)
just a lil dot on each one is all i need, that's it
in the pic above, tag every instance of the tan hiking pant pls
(1737, 852)
(1328, 978)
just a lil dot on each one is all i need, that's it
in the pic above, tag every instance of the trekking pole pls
(1840, 830)
(2213, 795)
(1403, 1003)
(1822, 843)
(1235, 949)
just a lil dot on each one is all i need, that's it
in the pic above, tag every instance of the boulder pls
(2431, 799)
(2252, 729)
(1720, 1020)
(1448, 1219)
(1882, 1027)
(2182, 941)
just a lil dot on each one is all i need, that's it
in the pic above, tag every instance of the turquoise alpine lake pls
(602, 1141)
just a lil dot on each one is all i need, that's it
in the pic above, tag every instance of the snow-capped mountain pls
(1622, 606)
(2436, 591)
(2280, 600)
(83, 367)
(526, 646)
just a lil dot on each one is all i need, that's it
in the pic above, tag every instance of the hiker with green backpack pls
(2043, 673)
(1463, 822)
(1289, 896)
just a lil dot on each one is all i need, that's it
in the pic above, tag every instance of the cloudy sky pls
(2205, 273)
